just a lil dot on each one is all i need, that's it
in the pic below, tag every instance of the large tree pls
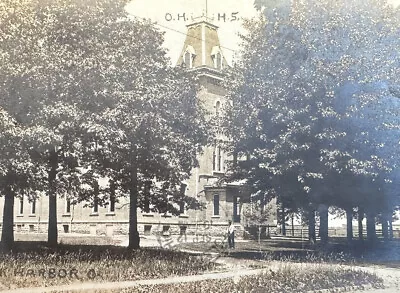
(43, 54)
(18, 174)
(100, 92)
(147, 125)
(147, 136)
(301, 99)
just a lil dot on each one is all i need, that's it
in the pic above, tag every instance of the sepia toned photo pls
(200, 146)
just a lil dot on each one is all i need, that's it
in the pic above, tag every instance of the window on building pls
(111, 207)
(33, 207)
(188, 59)
(182, 203)
(188, 56)
(146, 194)
(67, 206)
(219, 159)
(214, 159)
(218, 61)
(147, 229)
(216, 204)
(95, 205)
(112, 203)
(182, 207)
(182, 230)
(146, 205)
(21, 205)
(165, 230)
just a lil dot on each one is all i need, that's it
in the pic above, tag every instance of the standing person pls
(231, 235)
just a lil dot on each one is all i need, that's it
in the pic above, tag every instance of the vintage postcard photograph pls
(200, 146)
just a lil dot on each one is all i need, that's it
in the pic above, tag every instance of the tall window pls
(95, 205)
(216, 204)
(112, 203)
(188, 59)
(218, 61)
(182, 203)
(33, 207)
(96, 192)
(214, 159)
(182, 207)
(21, 205)
(146, 196)
(111, 207)
(67, 206)
(219, 159)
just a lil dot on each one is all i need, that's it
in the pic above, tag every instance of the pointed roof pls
(201, 49)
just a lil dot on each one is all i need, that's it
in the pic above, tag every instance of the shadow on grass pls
(89, 252)
(336, 251)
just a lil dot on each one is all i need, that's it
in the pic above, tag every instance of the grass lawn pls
(284, 249)
(286, 279)
(33, 264)
(282, 281)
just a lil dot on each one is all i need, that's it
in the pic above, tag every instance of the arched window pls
(218, 159)
(216, 55)
(188, 56)
(188, 60)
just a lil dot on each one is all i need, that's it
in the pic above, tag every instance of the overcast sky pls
(228, 15)
(170, 14)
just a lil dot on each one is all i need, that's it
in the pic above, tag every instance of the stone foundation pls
(145, 228)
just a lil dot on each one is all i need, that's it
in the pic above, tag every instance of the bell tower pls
(202, 54)
(201, 50)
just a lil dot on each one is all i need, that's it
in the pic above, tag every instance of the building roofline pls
(202, 19)
(208, 71)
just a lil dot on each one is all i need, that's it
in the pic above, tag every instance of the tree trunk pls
(283, 223)
(7, 234)
(349, 226)
(323, 223)
(371, 230)
(390, 227)
(360, 223)
(385, 226)
(311, 226)
(52, 233)
(134, 239)
(292, 225)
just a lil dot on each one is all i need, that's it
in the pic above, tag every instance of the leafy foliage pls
(312, 117)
